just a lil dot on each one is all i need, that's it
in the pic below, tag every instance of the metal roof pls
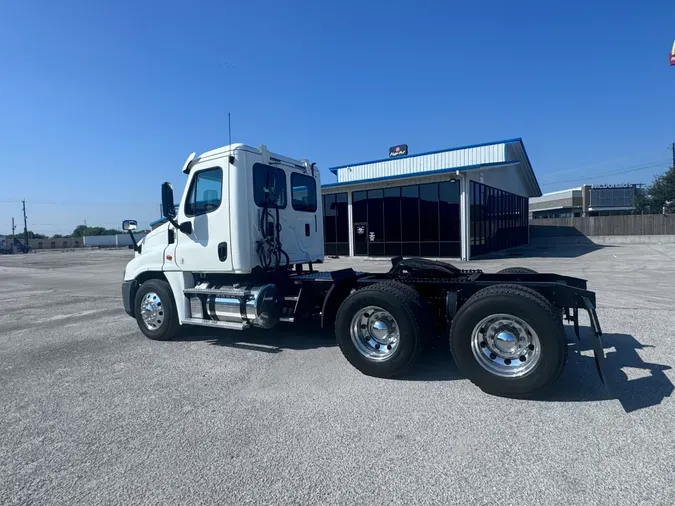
(476, 156)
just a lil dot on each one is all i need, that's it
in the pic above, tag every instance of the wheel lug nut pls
(531, 347)
(507, 361)
(483, 344)
(523, 358)
(377, 346)
(493, 356)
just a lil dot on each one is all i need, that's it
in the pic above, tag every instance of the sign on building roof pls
(400, 150)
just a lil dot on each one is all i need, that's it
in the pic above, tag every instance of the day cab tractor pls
(239, 251)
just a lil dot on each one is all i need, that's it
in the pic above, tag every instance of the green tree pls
(662, 189)
(642, 202)
(81, 230)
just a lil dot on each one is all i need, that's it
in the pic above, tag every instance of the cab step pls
(217, 324)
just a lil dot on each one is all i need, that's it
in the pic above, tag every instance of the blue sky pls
(100, 102)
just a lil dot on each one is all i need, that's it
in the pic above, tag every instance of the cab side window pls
(303, 192)
(206, 192)
(269, 186)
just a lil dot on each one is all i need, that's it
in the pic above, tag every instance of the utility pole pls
(13, 228)
(672, 147)
(25, 221)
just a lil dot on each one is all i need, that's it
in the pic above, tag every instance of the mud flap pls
(598, 349)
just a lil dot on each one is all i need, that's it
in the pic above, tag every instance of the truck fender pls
(344, 281)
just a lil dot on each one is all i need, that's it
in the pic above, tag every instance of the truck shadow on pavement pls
(284, 337)
(636, 384)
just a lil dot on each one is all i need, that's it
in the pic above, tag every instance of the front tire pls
(508, 342)
(156, 310)
(381, 329)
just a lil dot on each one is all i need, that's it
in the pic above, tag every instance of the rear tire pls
(156, 310)
(381, 329)
(524, 317)
(524, 270)
(517, 270)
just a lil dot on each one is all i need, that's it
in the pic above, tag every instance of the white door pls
(206, 205)
(307, 229)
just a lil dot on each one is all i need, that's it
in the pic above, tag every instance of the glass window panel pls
(429, 212)
(206, 191)
(376, 249)
(303, 192)
(359, 207)
(269, 183)
(410, 249)
(450, 249)
(410, 214)
(375, 216)
(329, 230)
(429, 249)
(392, 214)
(449, 211)
(342, 219)
(392, 249)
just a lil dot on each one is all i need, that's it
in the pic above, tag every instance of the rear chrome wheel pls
(375, 333)
(381, 328)
(505, 345)
(508, 340)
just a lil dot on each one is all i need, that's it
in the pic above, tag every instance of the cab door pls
(206, 206)
(307, 222)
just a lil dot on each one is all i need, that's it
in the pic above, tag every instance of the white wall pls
(492, 153)
(110, 241)
(502, 178)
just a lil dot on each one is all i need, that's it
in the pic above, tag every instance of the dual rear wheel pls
(507, 339)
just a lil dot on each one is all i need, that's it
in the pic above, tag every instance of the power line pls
(611, 173)
(585, 167)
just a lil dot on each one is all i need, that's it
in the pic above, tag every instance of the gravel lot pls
(92, 412)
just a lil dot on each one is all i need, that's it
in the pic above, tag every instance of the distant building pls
(587, 200)
(55, 243)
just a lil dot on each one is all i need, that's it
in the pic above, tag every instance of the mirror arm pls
(137, 248)
(185, 227)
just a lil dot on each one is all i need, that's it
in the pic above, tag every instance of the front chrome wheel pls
(152, 311)
(375, 333)
(505, 345)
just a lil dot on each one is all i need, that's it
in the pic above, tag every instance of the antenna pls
(229, 128)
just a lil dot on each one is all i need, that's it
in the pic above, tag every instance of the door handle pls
(222, 251)
(307, 229)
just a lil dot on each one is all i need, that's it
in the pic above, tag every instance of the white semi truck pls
(239, 251)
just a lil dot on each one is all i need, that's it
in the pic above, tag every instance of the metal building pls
(587, 200)
(456, 203)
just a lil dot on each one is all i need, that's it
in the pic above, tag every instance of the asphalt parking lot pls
(92, 412)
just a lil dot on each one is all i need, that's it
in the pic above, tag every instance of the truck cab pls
(228, 211)
(244, 213)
